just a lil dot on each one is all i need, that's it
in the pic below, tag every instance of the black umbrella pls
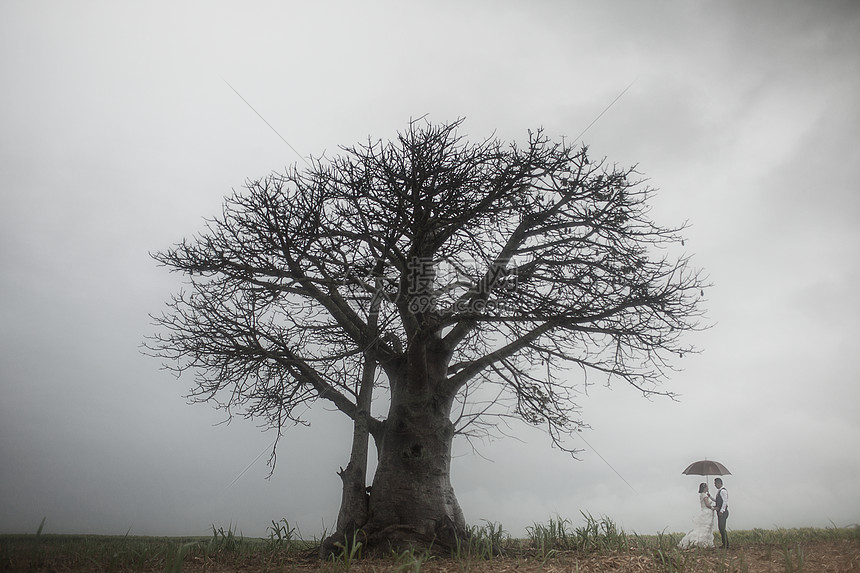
(706, 468)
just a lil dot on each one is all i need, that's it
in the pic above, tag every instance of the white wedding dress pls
(702, 534)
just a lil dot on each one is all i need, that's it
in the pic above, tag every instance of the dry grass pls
(596, 547)
(812, 557)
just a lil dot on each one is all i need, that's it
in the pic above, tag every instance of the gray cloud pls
(120, 136)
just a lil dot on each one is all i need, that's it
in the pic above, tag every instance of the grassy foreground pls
(556, 545)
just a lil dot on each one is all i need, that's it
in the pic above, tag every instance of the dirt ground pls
(812, 557)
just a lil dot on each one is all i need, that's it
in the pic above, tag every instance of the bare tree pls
(410, 274)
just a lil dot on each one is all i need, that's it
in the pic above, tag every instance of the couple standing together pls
(702, 534)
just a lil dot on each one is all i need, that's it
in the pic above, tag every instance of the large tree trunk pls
(412, 502)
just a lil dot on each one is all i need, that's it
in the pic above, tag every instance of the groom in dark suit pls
(722, 507)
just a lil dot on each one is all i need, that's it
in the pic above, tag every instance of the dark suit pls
(722, 515)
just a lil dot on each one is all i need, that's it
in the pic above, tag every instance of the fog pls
(120, 135)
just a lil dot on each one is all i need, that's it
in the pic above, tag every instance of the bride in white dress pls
(702, 534)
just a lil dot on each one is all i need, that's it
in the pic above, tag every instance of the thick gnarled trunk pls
(412, 502)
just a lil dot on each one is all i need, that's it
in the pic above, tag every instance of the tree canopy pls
(402, 277)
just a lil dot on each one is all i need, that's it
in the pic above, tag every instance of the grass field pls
(598, 545)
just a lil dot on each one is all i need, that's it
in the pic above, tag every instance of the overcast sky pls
(118, 135)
